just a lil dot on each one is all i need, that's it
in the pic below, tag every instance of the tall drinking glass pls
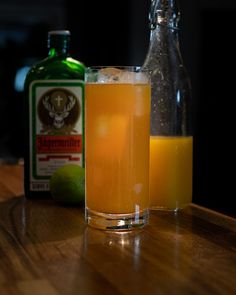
(117, 128)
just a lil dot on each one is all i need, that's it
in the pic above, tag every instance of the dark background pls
(116, 33)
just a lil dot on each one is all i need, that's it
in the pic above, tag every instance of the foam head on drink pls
(117, 143)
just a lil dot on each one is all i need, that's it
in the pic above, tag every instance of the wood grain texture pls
(47, 249)
(11, 181)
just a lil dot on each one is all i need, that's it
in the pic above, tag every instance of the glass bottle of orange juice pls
(171, 140)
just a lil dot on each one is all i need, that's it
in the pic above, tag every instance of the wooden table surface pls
(47, 249)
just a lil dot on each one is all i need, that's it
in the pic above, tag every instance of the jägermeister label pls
(56, 128)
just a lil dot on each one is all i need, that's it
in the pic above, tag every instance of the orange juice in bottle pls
(170, 171)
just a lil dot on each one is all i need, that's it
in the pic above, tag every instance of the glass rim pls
(120, 67)
(117, 75)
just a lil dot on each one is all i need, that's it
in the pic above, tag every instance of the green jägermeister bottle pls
(54, 115)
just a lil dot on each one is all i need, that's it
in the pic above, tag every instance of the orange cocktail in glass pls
(117, 150)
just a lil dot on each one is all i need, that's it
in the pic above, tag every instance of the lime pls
(67, 184)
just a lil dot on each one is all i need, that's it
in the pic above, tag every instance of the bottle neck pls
(170, 35)
(58, 45)
(164, 19)
(164, 13)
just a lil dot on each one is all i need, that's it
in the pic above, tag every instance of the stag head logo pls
(58, 110)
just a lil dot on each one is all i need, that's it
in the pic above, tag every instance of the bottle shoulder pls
(162, 47)
(58, 67)
(164, 57)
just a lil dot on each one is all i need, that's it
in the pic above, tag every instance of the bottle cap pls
(59, 32)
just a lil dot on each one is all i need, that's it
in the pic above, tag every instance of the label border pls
(32, 114)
